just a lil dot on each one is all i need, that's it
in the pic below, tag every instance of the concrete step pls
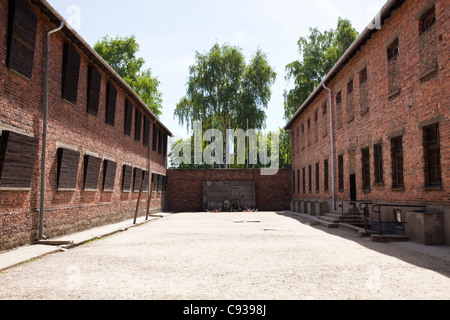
(389, 238)
(327, 223)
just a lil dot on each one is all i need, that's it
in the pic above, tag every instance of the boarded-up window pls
(155, 182)
(378, 162)
(21, 37)
(71, 72)
(165, 145)
(393, 50)
(298, 181)
(325, 175)
(137, 178)
(317, 177)
(146, 137)
(365, 160)
(137, 125)
(111, 99)
(432, 156)
(304, 180)
(155, 137)
(91, 172)
(145, 176)
(341, 172)
(339, 109)
(160, 141)
(109, 175)
(127, 173)
(93, 94)
(67, 169)
(128, 117)
(17, 159)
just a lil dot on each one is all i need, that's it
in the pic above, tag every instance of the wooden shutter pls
(128, 117)
(137, 125)
(91, 172)
(165, 145)
(109, 175)
(17, 159)
(160, 142)
(111, 99)
(71, 72)
(22, 37)
(67, 169)
(155, 137)
(145, 176)
(93, 94)
(127, 172)
(137, 178)
(145, 139)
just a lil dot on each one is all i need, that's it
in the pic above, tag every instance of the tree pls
(224, 90)
(120, 53)
(320, 52)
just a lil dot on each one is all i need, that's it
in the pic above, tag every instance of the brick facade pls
(376, 100)
(185, 188)
(71, 127)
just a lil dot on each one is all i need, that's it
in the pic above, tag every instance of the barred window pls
(350, 87)
(363, 76)
(341, 172)
(432, 156)
(397, 162)
(298, 181)
(427, 20)
(325, 175)
(378, 163)
(304, 180)
(309, 179)
(365, 159)
(317, 177)
(393, 50)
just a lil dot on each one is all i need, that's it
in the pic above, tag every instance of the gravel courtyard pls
(237, 256)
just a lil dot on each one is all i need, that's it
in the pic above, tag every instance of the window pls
(325, 175)
(308, 132)
(363, 76)
(325, 118)
(128, 117)
(309, 179)
(316, 125)
(137, 125)
(67, 169)
(304, 180)
(91, 172)
(393, 50)
(17, 159)
(317, 177)
(397, 162)
(93, 94)
(145, 176)
(338, 97)
(111, 99)
(137, 178)
(109, 175)
(365, 159)
(146, 137)
(293, 181)
(303, 137)
(160, 141)
(378, 163)
(154, 182)
(21, 38)
(427, 20)
(341, 172)
(298, 181)
(155, 137)
(338, 109)
(432, 156)
(127, 172)
(350, 87)
(165, 140)
(71, 72)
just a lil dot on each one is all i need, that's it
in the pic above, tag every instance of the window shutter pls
(22, 37)
(155, 137)
(109, 175)
(67, 169)
(91, 172)
(146, 131)
(128, 117)
(160, 141)
(111, 99)
(137, 125)
(145, 176)
(71, 71)
(127, 172)
(137, 178)
(17, 159)
(165, 146)
(93, 94)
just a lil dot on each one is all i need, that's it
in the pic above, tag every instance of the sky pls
(170, 32)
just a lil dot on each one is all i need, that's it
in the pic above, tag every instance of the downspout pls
(333, 177)
(44, 131)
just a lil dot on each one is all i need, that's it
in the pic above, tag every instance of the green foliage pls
(120, 54)
(320, 52)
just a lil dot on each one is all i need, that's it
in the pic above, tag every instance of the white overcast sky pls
(171, 31)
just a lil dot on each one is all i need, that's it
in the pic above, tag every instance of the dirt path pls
(262, 256)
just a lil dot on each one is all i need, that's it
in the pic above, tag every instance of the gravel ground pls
(199, 256)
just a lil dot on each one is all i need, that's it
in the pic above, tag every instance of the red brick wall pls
(21, 104)
(418, 102)
(185, 190)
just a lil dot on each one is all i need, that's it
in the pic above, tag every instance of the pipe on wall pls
(44, 131)
(333, 176)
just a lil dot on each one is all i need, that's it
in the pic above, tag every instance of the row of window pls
(427, 20)
(21, 44)
(431, 156)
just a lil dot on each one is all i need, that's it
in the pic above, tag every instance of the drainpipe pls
(44, 131)
(333, 178)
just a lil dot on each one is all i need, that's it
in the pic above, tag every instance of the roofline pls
(384, 13)
(69, 32)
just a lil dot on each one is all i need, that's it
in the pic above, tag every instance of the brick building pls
(101, 139)
(377, 129)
